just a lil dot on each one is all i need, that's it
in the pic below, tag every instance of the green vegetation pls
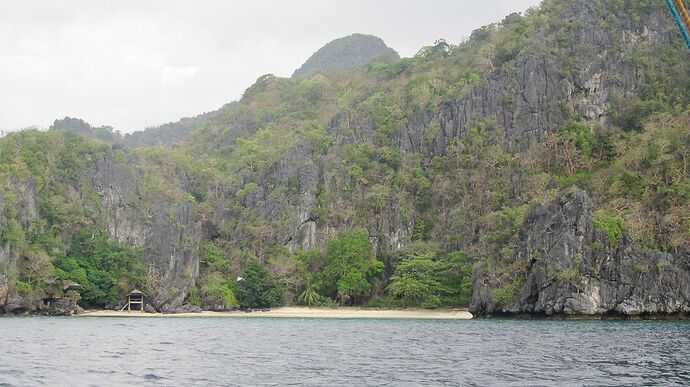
(350, 267)
(364, 157)
(613, 225)
(429, 281)
(105, 268)
(503, 295)
(257, 288)
(310, 295)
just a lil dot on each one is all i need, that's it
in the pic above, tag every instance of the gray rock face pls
(166, 231)
(345, 53)
(186, 308)
(574, 269)
(27, 210)
(542, 90)
(62, 307)
(570, 267)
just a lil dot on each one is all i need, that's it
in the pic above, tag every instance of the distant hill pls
(346, 53)
(166, 134)
(538, 167)
(77, 125)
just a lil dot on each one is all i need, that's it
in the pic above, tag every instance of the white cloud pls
(133, 64)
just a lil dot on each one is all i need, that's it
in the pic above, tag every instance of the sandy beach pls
(302, 312)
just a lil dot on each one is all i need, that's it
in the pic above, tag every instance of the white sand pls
(303, 312)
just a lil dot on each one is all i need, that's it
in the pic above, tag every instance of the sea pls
(206, 351)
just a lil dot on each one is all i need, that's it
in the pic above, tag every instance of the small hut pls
(135, 299)
(69, 290)
(71, 287)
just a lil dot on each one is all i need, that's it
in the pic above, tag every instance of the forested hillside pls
(539, 167)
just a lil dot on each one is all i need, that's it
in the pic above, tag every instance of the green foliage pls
(105, 268)
(310, 295)
(637, 111)
(12, 233)
(349, 267)
(257, 288)
(415, 282)
(194, 297)
(213, 257)
(503, 295)
(569, 275)
(420, 231)
(352, 286)
(613, 225)
(216, 291)
(23, 288)
(319, 138)
(429, 280)
(581, 135)
(502, 225)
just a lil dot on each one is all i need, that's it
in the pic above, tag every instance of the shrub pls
(257, 288)
(503, 295)
(613, 225)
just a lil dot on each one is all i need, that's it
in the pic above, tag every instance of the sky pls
(133, 64)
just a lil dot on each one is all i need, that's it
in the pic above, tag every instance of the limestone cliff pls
(447, 148)
(570, 267)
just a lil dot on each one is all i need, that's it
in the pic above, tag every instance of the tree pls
(310, 295)
(352, 288)
(415, 283)
(257, 288)
(37, 266)
(105, 268)
(216, 292)
(429, 280)
(213, 258)
(349, 265)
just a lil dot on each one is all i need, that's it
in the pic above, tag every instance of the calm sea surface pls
(230, 351)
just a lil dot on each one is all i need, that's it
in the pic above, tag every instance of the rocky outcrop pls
(165, 229)
(566, 266)
(592, 74)
(61, 307)
(345, 53)
(562, 263)
(26, 208)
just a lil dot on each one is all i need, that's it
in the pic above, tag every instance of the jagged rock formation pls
(411, 150)
(165, 229)
(585, 79)
(27, 210)
(573, 268)
(346, 53)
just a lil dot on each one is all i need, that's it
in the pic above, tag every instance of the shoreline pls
(301, 312)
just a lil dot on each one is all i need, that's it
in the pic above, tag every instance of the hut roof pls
(72, 286)
(135, 292)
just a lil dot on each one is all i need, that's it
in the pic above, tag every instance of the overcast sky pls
(138, 63)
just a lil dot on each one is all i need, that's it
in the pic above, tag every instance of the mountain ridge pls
(420, 181)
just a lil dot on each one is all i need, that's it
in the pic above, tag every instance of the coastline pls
(301, 312)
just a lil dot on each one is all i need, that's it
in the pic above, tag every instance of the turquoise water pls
(226, 351)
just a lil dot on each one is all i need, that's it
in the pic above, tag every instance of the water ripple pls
(218, 351)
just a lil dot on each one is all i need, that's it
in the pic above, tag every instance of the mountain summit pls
(539, 167)
(345, 53)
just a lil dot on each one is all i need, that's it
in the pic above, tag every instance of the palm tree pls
(309, 296)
